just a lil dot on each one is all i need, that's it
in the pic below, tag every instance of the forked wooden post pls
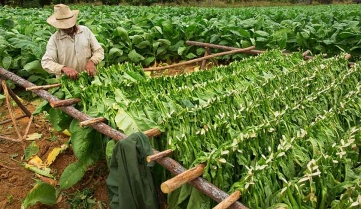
(92, 121)
(62, 103)
(159, 155)
(42, 87)
(177, 181)
(229, 200)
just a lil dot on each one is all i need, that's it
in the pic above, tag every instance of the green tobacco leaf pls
(81, 141)
(115, 51)
(148, 60)
(6, 62)
(135, 57)
(35, 67)
(143, 44)
(73, 173)
(125, 122)
(198, 200)
(43, 106)
(109, 150)
(31, 150)
(121, 32)
(261, 33)
(59, 119)
(43, 193)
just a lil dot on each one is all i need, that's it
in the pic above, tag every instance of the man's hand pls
(70, 72)
(90, 68)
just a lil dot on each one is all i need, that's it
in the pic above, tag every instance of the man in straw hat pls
(72, 48)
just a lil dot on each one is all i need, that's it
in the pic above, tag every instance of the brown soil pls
(16, 181)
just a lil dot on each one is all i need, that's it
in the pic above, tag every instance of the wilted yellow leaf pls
(66, 132)
(36, 161)
(34, 136)
(54, 153)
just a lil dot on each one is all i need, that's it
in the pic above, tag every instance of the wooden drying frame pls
(170, 164)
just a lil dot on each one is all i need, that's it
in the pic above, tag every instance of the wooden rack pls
(182, 175)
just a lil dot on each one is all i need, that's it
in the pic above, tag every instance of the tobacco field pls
(155, 35)
(283, 131)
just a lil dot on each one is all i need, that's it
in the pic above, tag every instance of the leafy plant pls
(271, 126)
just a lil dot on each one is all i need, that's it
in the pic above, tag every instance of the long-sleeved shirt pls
(63, 50)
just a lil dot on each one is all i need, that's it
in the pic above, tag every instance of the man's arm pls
(97, 50)
(50, 59)
(97, 55)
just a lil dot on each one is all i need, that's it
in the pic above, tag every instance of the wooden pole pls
(92, 121)
(66, 102)
(200, 59)
(159, 155)
(42, 87)
(177, 181)
(18, 102)
(28, 127)
(224, 48)
(9, 120)
(204, 61)
(8, 138)
(12, 115)
(171, 165)
(229, 200)
(228, 48)
(152, 132)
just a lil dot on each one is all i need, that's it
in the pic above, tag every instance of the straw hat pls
(63, 17)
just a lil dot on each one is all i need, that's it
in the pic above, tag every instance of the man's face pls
(69, 31)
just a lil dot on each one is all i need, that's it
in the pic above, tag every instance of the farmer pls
(72, 48)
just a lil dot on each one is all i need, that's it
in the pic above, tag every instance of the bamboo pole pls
(159, 155)
(177, 181)
(9, 120)
(171, 165)
(12, 115)
(199, 59)
(92, 121)
(42, 87)
(62, 103)
(229, 200)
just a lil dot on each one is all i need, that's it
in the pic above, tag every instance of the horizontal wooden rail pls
(179, 180)
(199, 59)
(228, 48)
(171, 165)
(43, 87)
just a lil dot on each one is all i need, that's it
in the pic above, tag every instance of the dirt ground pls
(16, 181)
